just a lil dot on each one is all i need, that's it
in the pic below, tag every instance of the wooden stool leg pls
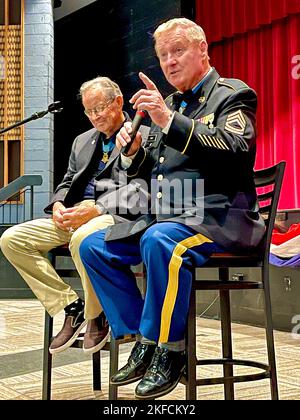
(47, 358)
(226, 342)
(97, 371)
(191, 347)
(270, 336)
(226, 334)
(113, 368)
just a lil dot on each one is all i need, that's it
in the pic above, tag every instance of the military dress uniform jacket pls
(207, 157)
(112, 193)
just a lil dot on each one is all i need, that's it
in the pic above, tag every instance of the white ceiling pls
(70, 6)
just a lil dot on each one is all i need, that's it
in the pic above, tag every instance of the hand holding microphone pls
(146, 101)
(136, 123)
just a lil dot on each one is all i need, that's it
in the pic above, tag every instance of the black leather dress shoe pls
(138, 362)
(163, 374)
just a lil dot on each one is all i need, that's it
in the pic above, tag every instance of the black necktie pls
(186, 96)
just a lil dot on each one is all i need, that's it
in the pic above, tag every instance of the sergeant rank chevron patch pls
(236, 123)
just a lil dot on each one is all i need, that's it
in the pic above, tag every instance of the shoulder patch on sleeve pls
(236, 123)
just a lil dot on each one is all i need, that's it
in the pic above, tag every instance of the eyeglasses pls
(98, 109)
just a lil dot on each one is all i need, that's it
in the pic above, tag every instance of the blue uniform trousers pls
(169, 251)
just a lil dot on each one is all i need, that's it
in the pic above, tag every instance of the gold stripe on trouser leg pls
(92, 306)
(172, 287)
(26, 246)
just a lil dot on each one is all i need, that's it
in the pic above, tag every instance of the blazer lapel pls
(90, 149)
(95, 148)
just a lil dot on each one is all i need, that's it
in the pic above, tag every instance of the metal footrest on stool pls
(235, 378)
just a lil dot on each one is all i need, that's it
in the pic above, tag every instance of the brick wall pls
(39, 86)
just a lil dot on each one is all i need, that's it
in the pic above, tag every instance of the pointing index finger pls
(147, 82)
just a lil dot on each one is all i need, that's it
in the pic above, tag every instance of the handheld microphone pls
(136, 123)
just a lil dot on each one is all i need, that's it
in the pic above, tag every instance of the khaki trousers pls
(26, 246)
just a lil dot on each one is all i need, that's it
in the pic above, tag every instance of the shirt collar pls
(198, 85)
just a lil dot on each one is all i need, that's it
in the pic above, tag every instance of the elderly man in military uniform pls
(203, 134)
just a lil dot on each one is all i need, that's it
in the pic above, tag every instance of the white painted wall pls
(70, 6)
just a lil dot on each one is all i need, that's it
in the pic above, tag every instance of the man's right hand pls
(57, 216)
(123, 138)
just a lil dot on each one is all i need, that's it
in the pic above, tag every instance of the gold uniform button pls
(161, 159)
(160, 177)
(159, 195)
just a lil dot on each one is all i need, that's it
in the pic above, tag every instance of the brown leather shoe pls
(73, 324)
(97, 334)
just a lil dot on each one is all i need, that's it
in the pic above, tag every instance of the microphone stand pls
(53, 108)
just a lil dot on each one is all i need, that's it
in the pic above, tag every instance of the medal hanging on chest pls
(105, 157)
(107, 148)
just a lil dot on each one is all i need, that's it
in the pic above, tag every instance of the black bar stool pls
(271, 178)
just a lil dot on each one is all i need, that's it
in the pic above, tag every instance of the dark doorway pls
(108, 38)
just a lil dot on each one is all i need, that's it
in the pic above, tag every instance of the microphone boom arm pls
(52, 108)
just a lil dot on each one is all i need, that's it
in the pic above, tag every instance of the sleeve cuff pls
(126, 161)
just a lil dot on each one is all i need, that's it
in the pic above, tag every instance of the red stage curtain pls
(268, 59)
(224, 19)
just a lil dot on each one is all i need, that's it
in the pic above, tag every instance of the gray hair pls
(194, 32)
(109, 88)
